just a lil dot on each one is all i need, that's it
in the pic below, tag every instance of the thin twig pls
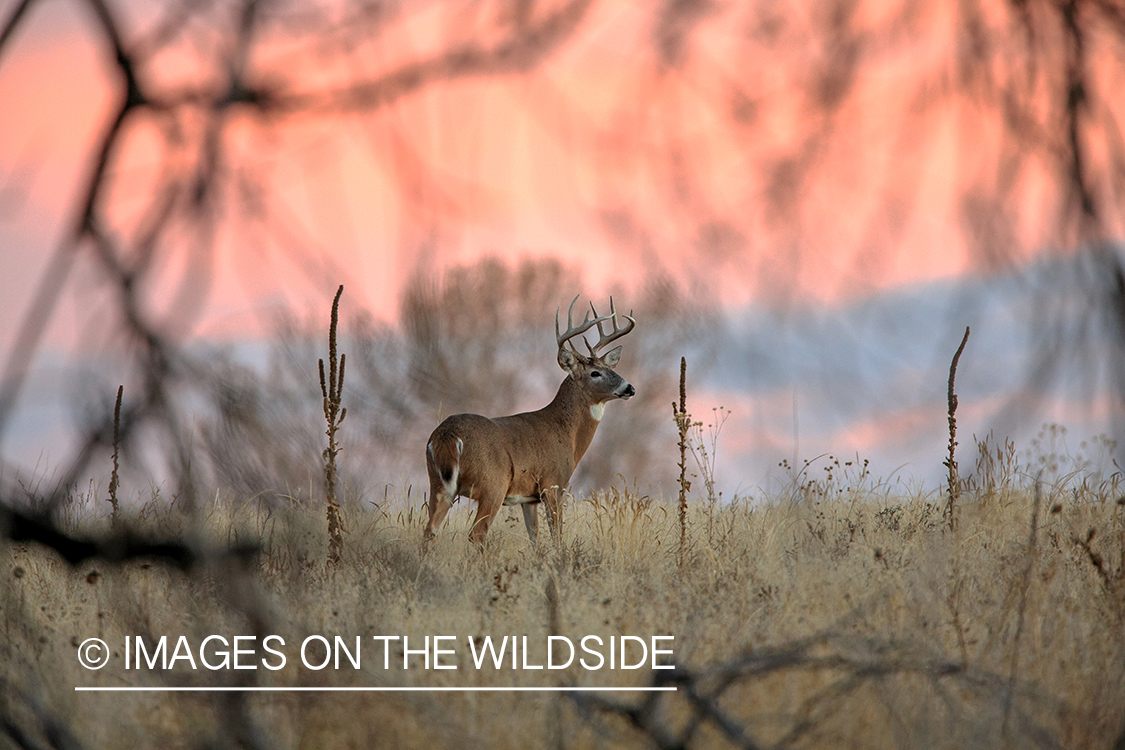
(21, 526)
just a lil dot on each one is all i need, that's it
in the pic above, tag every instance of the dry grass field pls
(836, 612)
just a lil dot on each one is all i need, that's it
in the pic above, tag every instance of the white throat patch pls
(597, 411)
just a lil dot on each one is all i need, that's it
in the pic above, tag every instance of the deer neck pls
(578, 416)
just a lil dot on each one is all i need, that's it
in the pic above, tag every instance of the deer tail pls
(444, 455)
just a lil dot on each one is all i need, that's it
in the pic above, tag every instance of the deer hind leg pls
(440, 502)
(489, 503)
(443, 485)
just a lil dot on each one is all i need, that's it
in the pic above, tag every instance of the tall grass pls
(838, 612)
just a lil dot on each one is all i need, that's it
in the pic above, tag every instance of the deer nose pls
(629, 392)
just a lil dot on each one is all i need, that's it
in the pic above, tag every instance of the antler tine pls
(617, 333)
(601, 333)
(571, 329)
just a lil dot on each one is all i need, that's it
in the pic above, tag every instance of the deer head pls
(594, 373)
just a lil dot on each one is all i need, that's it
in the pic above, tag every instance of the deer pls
(527, 459)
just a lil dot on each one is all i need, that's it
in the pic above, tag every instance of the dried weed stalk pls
(113, 478)
(683, 424)
(951, 462)
(334, 415)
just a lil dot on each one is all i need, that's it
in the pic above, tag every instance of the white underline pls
(263, 689)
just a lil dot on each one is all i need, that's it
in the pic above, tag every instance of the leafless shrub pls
(259, 438)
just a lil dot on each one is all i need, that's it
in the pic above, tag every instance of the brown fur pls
(529, 455)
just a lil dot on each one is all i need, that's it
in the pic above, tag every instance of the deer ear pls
(612, 357)
(568, 360)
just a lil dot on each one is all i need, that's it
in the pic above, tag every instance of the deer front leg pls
(531, 520)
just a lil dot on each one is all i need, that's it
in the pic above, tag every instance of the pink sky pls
(514, 166)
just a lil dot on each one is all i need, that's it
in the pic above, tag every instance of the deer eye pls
(595, 373)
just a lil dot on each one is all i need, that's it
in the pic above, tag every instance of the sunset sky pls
(787, 162)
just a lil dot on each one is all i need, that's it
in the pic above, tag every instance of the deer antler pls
(615, 334)
(573, 330)
(588, 323)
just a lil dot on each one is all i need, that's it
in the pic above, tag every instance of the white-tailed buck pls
(528, 458)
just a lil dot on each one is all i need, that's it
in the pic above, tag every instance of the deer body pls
(527, 458)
